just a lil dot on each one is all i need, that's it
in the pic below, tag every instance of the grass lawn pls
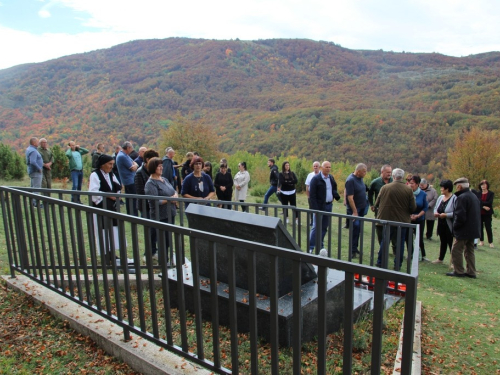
(460, 330)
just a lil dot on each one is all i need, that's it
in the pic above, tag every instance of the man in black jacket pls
(273, 180)
(168, 167)
(322, 192)
(466, 227)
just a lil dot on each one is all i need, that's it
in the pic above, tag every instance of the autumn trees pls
(476, 155)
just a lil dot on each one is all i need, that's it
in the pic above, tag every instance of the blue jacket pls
(422, 205)
(33, 160)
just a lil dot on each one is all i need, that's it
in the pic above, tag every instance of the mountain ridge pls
(277, 97)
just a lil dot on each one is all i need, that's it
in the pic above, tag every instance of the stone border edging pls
(416, 368)
(141, 355)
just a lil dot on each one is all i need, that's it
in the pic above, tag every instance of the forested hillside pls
(277, 97)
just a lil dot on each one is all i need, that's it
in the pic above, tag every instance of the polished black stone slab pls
(309, 300)
(251, 227)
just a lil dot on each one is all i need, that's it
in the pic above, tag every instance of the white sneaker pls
(155, 256)
(287, 221)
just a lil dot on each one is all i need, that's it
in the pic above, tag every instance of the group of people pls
(461, 217)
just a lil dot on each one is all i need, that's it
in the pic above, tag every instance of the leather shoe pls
(456, 274)
(471, 276)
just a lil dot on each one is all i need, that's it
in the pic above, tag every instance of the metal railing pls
(58, 246)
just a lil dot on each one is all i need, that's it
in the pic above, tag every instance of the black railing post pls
(297, 318)
(273, 282)
(348, 322)
(322, 287)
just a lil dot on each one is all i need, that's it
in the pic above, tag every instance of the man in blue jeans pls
(356, 205)
(74, 154)
(273, 180)
(322, 192)
(35, 165)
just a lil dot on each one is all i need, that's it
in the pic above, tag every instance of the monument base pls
(335, 305)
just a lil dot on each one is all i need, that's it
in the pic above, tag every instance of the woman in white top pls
(104, 180)
(241, 181)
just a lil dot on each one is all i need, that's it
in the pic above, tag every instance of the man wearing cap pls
(466, 228)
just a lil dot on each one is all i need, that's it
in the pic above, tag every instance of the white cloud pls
(453, 27)
(44, 13)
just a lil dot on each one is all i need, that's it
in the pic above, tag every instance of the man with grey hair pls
(168, 167)
(466, 227)
(140, 159)
(355, 190)
(127, 168)
(395, 202)
(322, 190)
(35, 165)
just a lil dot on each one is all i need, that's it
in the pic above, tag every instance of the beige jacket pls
(241, 179)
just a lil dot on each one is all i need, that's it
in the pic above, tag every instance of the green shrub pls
(13, 165)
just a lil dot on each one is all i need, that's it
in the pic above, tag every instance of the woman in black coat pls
(223, 184)
(485, 197)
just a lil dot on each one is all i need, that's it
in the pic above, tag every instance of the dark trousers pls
(445, 238)
(243, 208)
(486, 224)
(421, 232)
(167, 235)
(152, 232)
(380, 236)
(289, 199)
(325, 222)
(131, 203)
(382, 254)
(430, 228)
(356, 227)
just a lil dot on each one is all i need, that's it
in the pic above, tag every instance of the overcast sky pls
(40, 30)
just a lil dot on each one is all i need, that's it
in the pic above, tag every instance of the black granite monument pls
(267, 230)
